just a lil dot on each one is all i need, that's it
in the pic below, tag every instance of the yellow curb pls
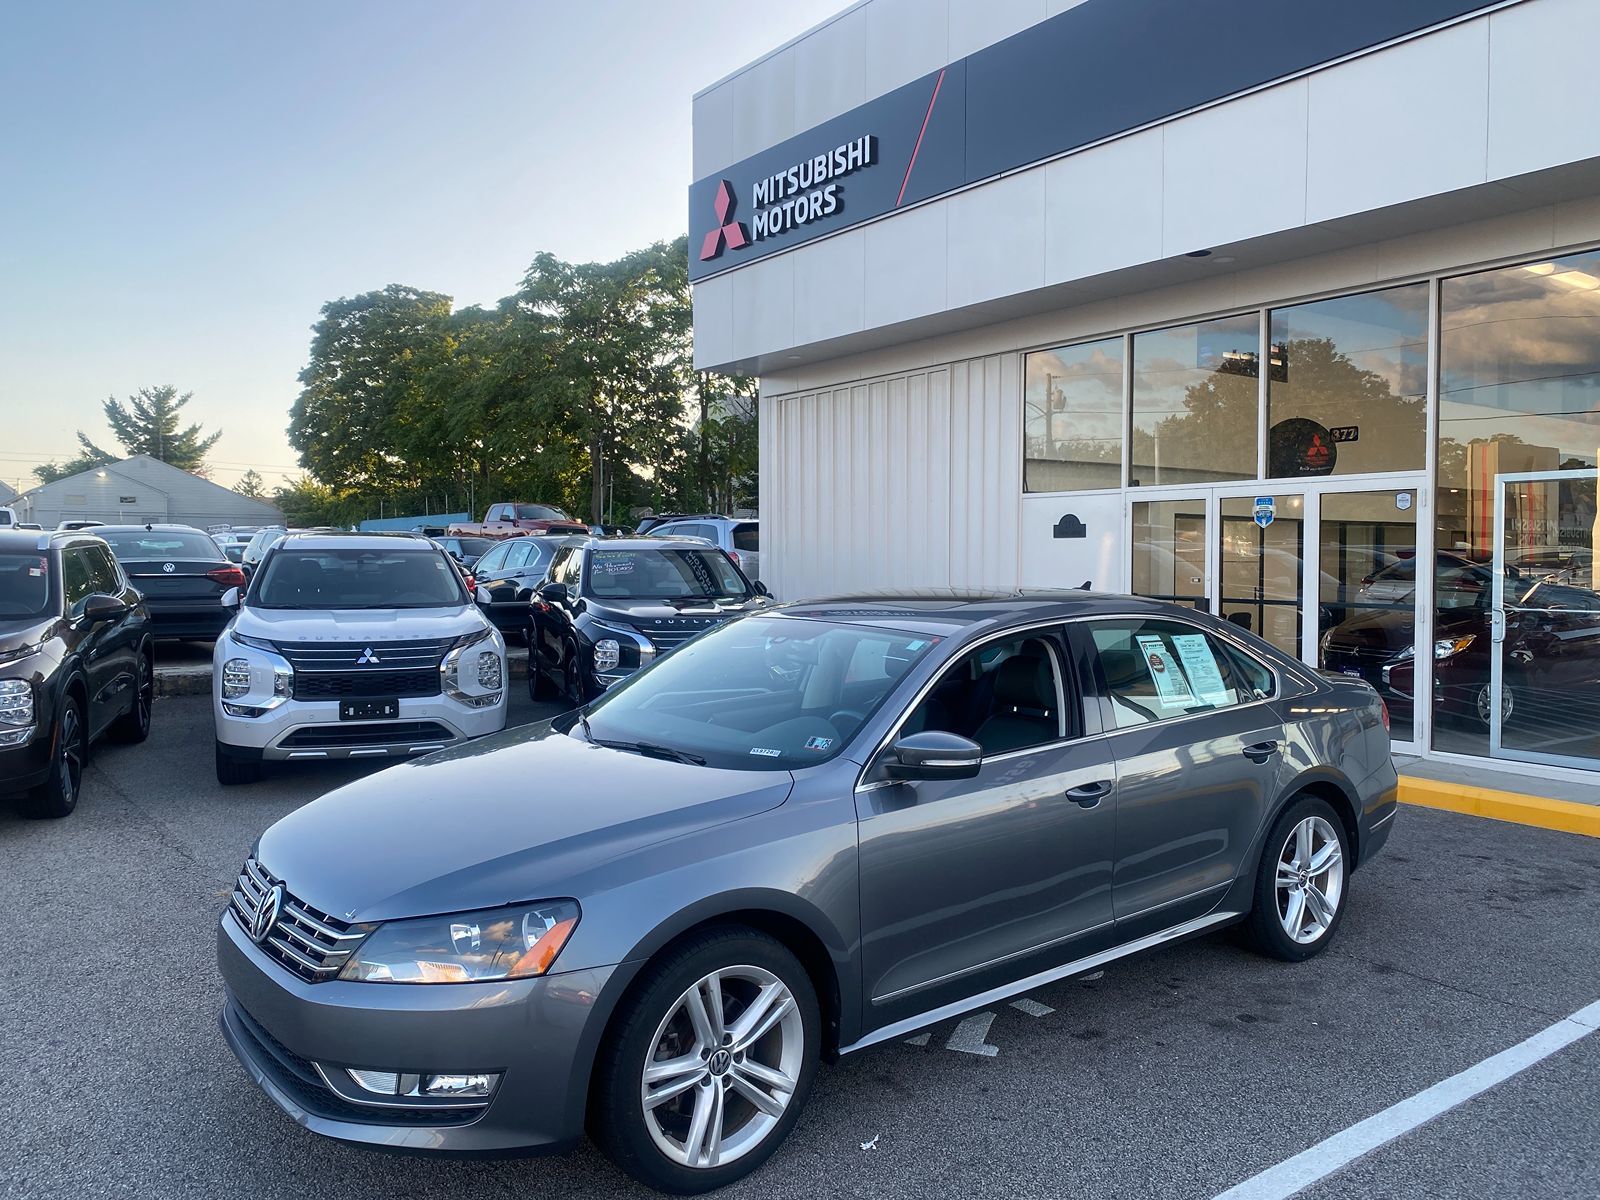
(1565, 815)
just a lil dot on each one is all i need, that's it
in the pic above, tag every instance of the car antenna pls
(1086, 586)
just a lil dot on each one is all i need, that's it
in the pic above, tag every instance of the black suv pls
(613, 605)
(76, 661)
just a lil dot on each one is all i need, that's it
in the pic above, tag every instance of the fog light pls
(607, 654)
(469, 1087)
(385, 1083)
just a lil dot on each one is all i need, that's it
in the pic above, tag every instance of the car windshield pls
(24, 585)
(540, 512)
(143, 545)
(473, 547)
(307, 577)
(760, 693)
(665, 574)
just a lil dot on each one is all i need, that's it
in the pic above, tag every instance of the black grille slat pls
(387, 733)
(343, 656)
(365, 682)
(309, 942)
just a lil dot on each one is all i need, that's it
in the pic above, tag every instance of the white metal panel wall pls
(909, 481)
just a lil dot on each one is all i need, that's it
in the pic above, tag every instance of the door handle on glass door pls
(1089, 794)
(1261, 751)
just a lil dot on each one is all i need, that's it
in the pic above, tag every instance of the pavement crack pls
(1392, 968)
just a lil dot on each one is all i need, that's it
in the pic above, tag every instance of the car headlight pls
(255, 643)
(20, 652)
(16, 702)
(235, 678)
(607, 654)
(473, 679)
(1450, 647)
(489, 674)
(497, 943)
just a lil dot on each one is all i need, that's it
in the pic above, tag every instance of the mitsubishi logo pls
(367, 656)
(267, 915)
(731, 233)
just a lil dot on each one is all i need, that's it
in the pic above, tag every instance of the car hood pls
(348, 625)
(516, 816)
(1395, 628)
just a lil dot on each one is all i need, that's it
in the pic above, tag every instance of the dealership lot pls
(1179, 1074)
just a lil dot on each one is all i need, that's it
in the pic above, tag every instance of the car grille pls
(668, 633)
(403, 670)
(386, 733)
(311, 943)
(399, 684)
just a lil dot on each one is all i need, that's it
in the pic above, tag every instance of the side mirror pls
(481, 595)
(231, 598)
(934, 754)
(101, 607)
(554, 593)
(760, 589)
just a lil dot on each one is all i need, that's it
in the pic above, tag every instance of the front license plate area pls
(1351, 671)
(368, 710)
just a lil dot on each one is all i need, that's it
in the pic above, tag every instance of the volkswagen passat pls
(807, 831)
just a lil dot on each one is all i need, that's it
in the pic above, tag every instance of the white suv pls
(353, 646)
(739, 538)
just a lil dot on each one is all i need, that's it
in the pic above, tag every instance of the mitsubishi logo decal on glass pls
(728, 232)
(367, 656)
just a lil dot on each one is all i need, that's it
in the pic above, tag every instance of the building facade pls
(138, 490)
(1291, 314)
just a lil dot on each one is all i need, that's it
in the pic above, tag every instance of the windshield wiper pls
(650, 749)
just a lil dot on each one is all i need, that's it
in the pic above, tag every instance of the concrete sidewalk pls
(1501, 792)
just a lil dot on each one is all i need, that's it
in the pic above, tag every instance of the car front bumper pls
(540, 1035)
(311, 729)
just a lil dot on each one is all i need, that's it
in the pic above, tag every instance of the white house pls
(137, 490)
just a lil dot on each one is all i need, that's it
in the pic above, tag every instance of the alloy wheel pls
(70, 751)
(147, 693)
(724, 1064)
(1310, 880)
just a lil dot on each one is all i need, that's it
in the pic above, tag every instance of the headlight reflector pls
(1450, 647)
(607, 654)
(16, 702)
(499, 943)
(489, 671)
(235, 678)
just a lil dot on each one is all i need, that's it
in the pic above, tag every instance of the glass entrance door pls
(1261, 557)
(1544, 622)
(1169, 550)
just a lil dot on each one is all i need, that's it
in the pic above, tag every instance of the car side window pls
(492, 560)
(77, 579)
(1006, 695)
(747, 537)
(569, 570)
(107, 577)
(1154, 670)
(518, 554)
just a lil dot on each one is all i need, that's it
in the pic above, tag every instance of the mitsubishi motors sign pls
(806, 192)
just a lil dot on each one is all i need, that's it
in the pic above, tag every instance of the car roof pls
(152, 527)
(24, 541)
(949, 611)
(333, 539)
(644, 541)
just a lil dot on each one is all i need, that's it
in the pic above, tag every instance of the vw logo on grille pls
(169, 568)
(267, 915)
(367, 656)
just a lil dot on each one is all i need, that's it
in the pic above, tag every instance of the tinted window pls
(77, 576)
(565, 567)
(24, 585)
(327, 578)
(106, 579)
(747, 537)
(1004, 696)
(492, 559)
(517, 554)
(144, 545)
(663, 574)
(760, 693)
(471, 546)
(1072, 418)
(540, 512)
(1155, 670)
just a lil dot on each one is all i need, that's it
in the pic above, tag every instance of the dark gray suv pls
(807, 831)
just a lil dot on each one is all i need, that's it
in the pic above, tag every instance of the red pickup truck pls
(515, 520)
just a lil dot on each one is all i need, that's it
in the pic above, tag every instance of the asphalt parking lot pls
(1180, 1074)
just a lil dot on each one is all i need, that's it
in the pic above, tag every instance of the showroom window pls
(1195, 402)
(1347, 385)
(1073, 418)
(1519, 393)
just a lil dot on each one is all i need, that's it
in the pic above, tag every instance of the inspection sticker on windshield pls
(818, 743)
(765, 753)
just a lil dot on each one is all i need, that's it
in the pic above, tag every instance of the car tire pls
(540, 689)
(1298, 904)
(57, 796)
(572, 690)
(133, 726)
(233, 771)
(658, 1144)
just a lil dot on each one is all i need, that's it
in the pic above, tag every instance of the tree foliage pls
(148, 422)
(252, 485)
(576, 390)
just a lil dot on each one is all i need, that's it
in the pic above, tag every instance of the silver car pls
(805, 832)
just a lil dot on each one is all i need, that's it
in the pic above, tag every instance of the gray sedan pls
(804, 832)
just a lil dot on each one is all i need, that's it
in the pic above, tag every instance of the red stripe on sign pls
(937, 83)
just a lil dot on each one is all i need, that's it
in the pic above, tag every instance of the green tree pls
(88, 458)
(252, 485)
(148, 423)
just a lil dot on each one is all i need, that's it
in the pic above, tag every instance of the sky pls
(184, 185)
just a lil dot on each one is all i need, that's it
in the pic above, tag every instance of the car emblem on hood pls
(267, 915)
(169, 568)
(367, 656)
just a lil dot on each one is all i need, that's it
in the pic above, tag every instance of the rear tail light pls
(1383, 711)
(228, 576)
(472, 583)
(734, 554)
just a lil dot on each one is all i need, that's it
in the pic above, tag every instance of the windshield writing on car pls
(761, 693)
(24, 585)
(665, 574)
(325, 578)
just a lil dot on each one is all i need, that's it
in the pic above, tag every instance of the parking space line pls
(1345, 1147)
(968, 1037)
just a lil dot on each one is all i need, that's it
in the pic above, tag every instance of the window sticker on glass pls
(1200, 664)
(818, 743)
(765, 752)
(1172, 688)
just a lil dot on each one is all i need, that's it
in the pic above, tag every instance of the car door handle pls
(1089, 794)
(1261, 751)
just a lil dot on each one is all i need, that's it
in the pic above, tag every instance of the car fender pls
(1329, 782)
